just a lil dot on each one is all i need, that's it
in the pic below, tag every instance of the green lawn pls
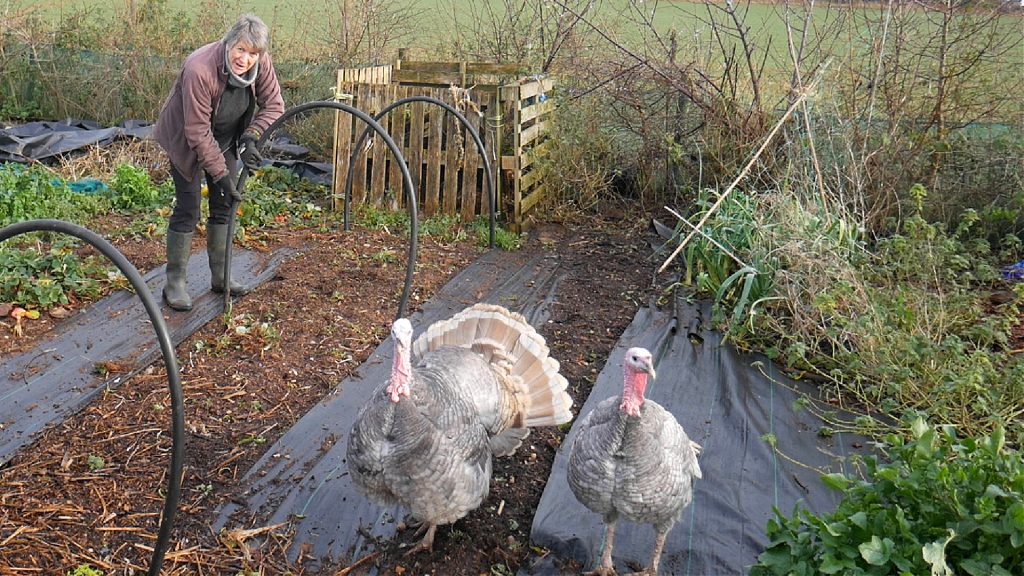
(838, 36)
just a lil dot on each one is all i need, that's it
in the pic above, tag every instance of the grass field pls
(297, 22)
(840, 38)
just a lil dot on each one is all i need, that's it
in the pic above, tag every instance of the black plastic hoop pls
(476, 138)
(170, 361)
(410, 190)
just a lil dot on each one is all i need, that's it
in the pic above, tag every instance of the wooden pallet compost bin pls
(510, 111)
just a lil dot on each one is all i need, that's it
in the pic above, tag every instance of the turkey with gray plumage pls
(469, 388)
(631, 459)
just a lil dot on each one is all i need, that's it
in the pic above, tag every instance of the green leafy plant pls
(34, 192)
(95, 463)
(384, 256)
(85, 570)
(132, 189)
(941, 506)
(503, 238)
(901, 324)
(376, 218)
(43, 279)
(444, 227)
(276, 197)
(714, 262)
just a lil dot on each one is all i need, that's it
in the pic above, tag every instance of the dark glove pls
(227, 187)
(248, 153)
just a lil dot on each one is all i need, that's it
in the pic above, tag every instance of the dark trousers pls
(188, 197)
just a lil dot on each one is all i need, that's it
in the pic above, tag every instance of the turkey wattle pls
(632, 459)
(468, 389)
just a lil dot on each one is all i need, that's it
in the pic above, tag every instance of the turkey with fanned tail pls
(631, 459)
(469, 388)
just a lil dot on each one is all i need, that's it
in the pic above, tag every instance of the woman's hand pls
(248, 153)
(227, 187)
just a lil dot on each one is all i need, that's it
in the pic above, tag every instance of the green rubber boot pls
(179, 246)
(216, 236)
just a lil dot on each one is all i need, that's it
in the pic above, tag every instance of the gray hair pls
(249, 30)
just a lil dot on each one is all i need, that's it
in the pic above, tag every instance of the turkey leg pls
(606, 568)
(427, 543)
(652, 569)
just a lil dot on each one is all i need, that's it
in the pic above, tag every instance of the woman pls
(211, 115)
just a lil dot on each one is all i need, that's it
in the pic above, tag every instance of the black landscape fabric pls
(58, 377)
(303, 479)
(46, 139)
(735, 406)
(727, 401)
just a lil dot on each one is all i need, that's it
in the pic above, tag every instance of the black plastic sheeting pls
(58, 377)
(302, 480)
(727, 401)
(730, 403)
(47, 139)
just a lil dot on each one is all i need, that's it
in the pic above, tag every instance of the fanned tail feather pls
(507, 339)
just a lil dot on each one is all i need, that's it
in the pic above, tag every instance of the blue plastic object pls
(1014, 272)
(87, 186)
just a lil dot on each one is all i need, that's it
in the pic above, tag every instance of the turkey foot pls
(427, 543)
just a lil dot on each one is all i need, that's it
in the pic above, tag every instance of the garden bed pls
(89, 490)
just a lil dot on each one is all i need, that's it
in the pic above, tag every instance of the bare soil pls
(90, 490)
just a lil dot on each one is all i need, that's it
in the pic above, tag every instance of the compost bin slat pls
(443, 160)
(432, 185)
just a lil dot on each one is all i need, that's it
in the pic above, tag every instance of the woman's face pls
(242, 57)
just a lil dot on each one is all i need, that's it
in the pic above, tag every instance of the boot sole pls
(174, 307)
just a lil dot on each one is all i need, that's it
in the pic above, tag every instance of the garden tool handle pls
(230, 236)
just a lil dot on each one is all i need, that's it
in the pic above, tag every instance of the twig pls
(742, 175)
(358, 563)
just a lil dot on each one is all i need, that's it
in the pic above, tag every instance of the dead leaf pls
(5, 309)
(59, 312)
(237, 538)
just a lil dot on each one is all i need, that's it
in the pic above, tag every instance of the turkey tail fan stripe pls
(508, 340)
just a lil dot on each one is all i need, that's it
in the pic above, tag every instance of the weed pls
(384, 256)
(132, 189)
(503, 238)
(85, 570)
(252, 439)
(43, 279)
(248, 332)
(276, 197)
(374, 218)
(501, 570)
(95, 463)
(444, 227)
(943, 505)
(896, 326)
(34, 192)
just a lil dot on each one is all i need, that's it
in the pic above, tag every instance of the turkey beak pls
(649, 368)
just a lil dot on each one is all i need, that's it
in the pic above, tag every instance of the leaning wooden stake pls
(742, 175)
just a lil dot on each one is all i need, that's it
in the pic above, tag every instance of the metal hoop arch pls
(476, 138)
(170, 361)
(410, 190)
